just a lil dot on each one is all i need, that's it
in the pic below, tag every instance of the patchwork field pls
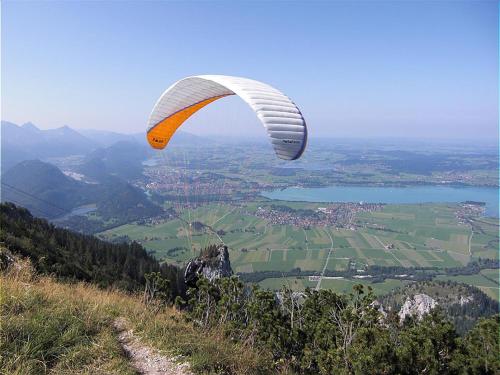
(487, 285)
(398, 235)
(340, 286)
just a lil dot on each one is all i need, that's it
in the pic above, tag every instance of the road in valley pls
(318, 286)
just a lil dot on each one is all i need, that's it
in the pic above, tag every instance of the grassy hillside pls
(65, 326)
(60, 328)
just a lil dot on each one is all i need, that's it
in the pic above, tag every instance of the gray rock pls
(417, 306)
(465, 300)
(212, 265)
(6, 259)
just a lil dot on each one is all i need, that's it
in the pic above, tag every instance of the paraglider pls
(282, 119)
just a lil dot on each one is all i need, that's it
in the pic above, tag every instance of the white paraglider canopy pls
(279, 115)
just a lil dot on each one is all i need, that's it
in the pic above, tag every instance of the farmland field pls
(398, 235)
(486, 285)
(339, 285)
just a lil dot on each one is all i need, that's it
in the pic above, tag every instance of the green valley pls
(424, 235)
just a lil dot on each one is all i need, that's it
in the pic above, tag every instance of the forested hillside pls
(462, 303)
(122, 159)
(76, 256)
(49, 193)
(43, 188)
(322, 332)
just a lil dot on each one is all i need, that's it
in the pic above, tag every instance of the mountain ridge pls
(43, 187)
(18, 142)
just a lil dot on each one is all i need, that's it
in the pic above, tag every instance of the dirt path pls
(146, 360)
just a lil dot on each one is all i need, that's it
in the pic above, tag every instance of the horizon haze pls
(377, 69)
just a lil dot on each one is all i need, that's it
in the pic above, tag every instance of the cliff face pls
(462, 304)
(417, 306)
(212, 264)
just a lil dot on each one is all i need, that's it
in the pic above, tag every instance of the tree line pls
(380, 273)
(322, 332)
(76, 256)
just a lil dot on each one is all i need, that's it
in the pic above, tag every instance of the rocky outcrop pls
(212, 264)
(6, 259)
(465, 300)
(378, 306)
(417, 306)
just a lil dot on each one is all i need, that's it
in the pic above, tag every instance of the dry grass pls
(53, 327)
(47, 327)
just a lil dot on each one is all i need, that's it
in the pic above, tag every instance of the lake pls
(369, 194)
(78, 211)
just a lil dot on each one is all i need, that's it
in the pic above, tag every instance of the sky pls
(356, 69)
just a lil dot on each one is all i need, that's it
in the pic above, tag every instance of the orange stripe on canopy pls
(160, 134)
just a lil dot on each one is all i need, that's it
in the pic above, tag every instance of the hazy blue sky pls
(424, 69)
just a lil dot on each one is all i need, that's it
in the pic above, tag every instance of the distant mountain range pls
(28, 142)
(105, 138)
(97, 168)
(123, 159)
